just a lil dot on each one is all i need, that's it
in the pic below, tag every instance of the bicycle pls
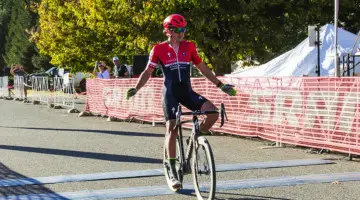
(191, 161)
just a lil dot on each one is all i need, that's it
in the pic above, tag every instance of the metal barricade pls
(40, 90)
(4, 91)
(64, 92)
(19, 92)
(350, 65)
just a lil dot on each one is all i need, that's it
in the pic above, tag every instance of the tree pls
(4, 15)
(77, 33)
(17, 20)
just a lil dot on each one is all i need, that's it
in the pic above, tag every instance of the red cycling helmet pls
(174, 21)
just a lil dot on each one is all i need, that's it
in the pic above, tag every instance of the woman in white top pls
(103, 70)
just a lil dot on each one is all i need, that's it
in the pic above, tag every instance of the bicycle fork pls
(190, 141)
(187, 166)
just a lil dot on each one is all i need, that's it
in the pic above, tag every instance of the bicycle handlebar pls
(222, 112)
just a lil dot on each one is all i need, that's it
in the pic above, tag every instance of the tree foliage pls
(18, 49)
(4, 15)
(16, 21)
(77, 33)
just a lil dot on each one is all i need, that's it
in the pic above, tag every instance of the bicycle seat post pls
(178, 115)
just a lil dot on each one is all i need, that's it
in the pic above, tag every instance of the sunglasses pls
(178, 30)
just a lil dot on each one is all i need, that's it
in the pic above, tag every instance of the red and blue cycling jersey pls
(176, 70)
(175, 65)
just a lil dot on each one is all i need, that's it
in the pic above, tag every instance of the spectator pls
(103, 70)
(18, 70)
(130, 70)
(120, 70)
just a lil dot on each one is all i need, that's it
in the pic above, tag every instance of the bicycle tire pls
(178, 164)
(204, 190)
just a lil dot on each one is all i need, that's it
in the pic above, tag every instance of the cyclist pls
(174, 55)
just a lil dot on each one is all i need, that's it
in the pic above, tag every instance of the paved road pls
(37, 141)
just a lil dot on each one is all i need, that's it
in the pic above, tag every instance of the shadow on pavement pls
(245, 197)
(140, 134)
(34, 190)
(81, 154)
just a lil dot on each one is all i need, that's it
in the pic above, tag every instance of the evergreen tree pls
(17, 48)
(4, 15)
(17, 22)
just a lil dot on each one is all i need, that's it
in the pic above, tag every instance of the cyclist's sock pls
(172, 162)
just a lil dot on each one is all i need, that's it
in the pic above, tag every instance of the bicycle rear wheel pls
(178, 164)
(203, 170)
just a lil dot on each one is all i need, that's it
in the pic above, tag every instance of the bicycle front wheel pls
(203, 170)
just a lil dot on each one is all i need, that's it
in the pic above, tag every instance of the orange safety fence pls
(306, 111)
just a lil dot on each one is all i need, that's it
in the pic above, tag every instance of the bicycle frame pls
(189, 143)
(186, 158)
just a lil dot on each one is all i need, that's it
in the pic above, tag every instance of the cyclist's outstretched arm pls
(144, 77)
(206, 71)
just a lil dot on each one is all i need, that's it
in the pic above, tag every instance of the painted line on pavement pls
(271, 164)
(155, 172)
(188, 188)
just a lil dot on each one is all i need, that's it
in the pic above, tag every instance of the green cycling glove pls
(131, 92)
(227, 88)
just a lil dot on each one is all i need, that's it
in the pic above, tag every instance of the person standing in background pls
(103, 70)
(120, 70)
(129, 69)
(18, 71)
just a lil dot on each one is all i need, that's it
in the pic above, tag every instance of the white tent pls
(302, 60)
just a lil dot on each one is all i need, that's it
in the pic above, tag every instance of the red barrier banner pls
(306, 111)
